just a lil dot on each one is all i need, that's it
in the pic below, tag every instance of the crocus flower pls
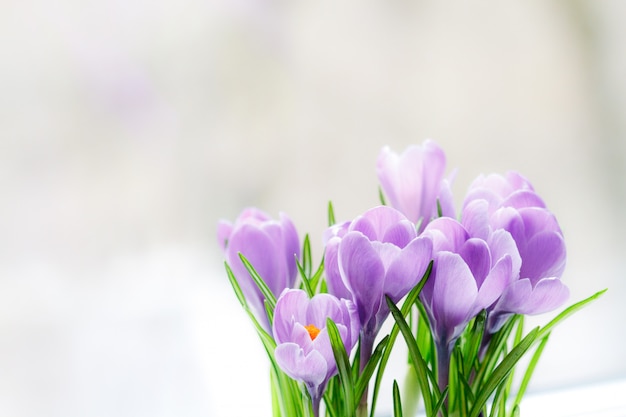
(380, 254)
(469, 274)
(271, 246)
(303, 348)
(413, 181)
(510, 203)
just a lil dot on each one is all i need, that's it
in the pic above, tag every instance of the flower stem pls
(367, 346)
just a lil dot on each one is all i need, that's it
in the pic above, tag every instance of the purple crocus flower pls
(469, 274)
(379, 254)
(413, 181)
(271, 246)
(510, 203)
(303, 348)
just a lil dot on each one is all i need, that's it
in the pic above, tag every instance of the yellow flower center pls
(313, 331)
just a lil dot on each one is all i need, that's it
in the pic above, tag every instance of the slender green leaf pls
(502, 370)
(331, 214)
(409, 301)
(368, 370)
(397, 402)
(307, 259)
(568, 312)
(343, 367)
(265, 290)
(305, 281)
(530, 369)
(381, 196)
(419, 365)
(235, 285)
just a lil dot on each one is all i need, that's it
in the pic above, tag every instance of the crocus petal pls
(334, 282)
(495, 283)
(407, 268)
(454, 292)
(292, 308)
(475, 218)
(310, 368)
(377, 222)
(224, 230)
(547, 295)
(523, 198)
(363, 273)
(477, 256)
(543, 256)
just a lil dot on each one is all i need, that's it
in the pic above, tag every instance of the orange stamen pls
(313, 331)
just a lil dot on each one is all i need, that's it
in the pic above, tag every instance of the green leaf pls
(430, 394)
(409, 301)
(568, 312)
(235, 285)
(307, 260)
(331, 214)
(265, 290)
(381, 196)
(397, 403)
(368, 370)
(530, 369)
(502, 370)
(343, 367)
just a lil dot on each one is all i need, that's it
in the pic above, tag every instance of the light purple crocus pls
(414, 181)
(303, 348)
(271, 246)
(469, 274)
(510, 203)
(379, 254)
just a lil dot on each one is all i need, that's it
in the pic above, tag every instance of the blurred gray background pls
(128, 128)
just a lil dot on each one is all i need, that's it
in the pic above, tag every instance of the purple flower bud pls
(380, 254)
(510, 203)
(469, 274)
(270, 245)
(303, 348)
(413, 181)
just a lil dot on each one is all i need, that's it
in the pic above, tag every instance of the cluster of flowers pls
(502, 255)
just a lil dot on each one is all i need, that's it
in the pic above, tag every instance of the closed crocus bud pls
(271, 246)
(414, 180)
(379, 254)
(469, 274)
(303, 348)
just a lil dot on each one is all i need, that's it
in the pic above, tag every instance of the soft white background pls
(128, 128)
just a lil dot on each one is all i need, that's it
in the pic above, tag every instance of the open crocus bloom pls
(303, 348)
(413, 181)
(270, 245)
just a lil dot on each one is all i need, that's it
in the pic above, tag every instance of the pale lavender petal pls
(547, 295)
(407, 268)
(291, 307)
(475, 218)
(543, 256)
(499, 278)
(311, 368)
(224, 230)
(375, 222)
(362, 272)
(321, 307)
(454, 291)
(400, 234)
(501, 244)
(331, 267)
(291, 245)
(447, 234)
(476, 255)
(523, 198)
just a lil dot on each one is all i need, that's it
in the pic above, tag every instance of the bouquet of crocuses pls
(457, 284)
